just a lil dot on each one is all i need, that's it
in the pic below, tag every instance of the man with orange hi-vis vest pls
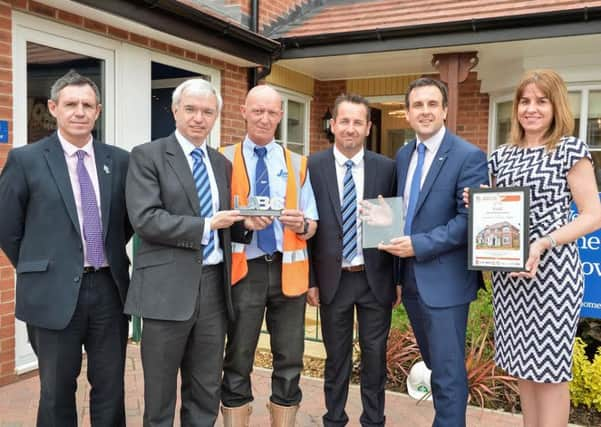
(270, 276)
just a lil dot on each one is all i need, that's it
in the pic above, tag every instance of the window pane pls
(593, 130)
(574, 100)
(44, 66)
(503, 122)
(296, 122)
(297, 148)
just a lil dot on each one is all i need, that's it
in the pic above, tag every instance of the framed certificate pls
(498, 232)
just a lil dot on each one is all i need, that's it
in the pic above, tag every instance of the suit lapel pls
(439, 158)
(370, 173)
(104, 166)
(55, 157)
(332, 185)
(178, 162)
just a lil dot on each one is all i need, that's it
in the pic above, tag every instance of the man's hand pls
(293, 219)
(257, 222)
(225, 219)
(399, 295)
(399, 246)
(379, 215)
(313, 296)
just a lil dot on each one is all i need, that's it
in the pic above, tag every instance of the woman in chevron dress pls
(536, 312)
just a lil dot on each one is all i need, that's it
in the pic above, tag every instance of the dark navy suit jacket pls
(439, 228)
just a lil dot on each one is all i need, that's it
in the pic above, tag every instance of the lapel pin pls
(106, 169)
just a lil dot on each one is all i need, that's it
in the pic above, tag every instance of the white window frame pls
(287, 95)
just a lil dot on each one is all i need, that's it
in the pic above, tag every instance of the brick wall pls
(326, 93)
(7, 286)
(472, 112)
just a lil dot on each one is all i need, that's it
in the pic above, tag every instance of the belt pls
(276, 256)
(354, 268)
(87, 270)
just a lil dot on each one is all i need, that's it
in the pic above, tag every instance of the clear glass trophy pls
(381, 219)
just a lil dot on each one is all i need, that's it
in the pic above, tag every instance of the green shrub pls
(585, 388)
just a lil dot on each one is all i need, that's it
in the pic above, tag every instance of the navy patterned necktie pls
(92, 227)
(203, 188)
(265, 237)
(415, 188)
(349, 214)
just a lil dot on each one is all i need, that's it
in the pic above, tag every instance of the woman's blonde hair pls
(553, 88)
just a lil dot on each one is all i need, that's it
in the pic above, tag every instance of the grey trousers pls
(195, 347)
(259, 294)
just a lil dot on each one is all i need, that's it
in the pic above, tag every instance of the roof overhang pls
(180, 20)
(573, 22)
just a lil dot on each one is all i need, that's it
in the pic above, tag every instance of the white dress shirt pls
(217, 255)
(358, 172)
(432, 145)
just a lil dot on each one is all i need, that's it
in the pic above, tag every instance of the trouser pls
(194, 346)
(259, 294)
(98, 323)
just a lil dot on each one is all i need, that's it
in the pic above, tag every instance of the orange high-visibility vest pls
(295, 259)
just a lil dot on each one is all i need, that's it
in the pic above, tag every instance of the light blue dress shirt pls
(278, 178)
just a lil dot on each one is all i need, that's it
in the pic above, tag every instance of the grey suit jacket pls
(163, 207)
(40, 233)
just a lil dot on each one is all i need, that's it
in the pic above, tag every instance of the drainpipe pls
(257, 73)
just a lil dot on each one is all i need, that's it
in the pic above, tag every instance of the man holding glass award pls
(344, 273)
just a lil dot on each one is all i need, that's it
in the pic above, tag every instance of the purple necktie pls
(92, 228)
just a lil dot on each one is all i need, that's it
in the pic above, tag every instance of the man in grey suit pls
(64, 228)
(178, 200)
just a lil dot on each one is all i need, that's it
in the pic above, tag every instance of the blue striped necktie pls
(349, 214)
(415, 188)
(203, 188)
(265, 237)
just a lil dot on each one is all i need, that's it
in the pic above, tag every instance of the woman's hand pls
(535, 252)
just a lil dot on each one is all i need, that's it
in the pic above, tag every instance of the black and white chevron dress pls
(536, 319)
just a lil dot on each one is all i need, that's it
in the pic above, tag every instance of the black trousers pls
(259, 294)
(99, 325)
(195, 347)
(337, 321)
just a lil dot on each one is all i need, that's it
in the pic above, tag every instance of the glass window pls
(503, 122)
(593, 129)
(574, 100)
(293, 130)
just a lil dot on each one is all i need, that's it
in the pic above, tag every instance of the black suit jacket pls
(40, 233)
(326, 245)
(164, 209)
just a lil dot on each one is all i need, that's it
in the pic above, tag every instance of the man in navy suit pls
(64, 228)
(345, 276)
(437, 288)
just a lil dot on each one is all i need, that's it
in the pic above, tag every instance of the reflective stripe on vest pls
(295, 262)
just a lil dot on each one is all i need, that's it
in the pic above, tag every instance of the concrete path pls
(18, 403)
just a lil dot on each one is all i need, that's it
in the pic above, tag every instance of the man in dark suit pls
(344, 275)
(64, 228)
(437, 287)
(178, 199)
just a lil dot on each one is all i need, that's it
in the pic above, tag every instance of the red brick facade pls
(472, 112)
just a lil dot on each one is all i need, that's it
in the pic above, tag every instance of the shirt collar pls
(434, 141)
(187, 146)
(71, 149)
(249, 146)
(341, 159)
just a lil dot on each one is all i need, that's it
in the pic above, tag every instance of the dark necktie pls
(415, 188)
(203, 188)
(349, 214)
(92, 227)
(265, 237)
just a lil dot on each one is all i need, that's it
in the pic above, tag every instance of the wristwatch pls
(305, 227)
